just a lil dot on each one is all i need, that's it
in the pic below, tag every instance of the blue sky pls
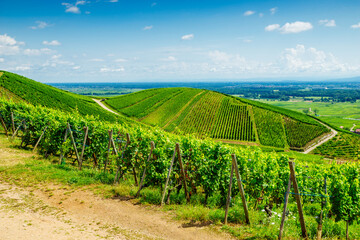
(129, 40)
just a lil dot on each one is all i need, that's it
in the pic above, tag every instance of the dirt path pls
(49, 211)
(323, 140)
(352, 129)
(103, 106)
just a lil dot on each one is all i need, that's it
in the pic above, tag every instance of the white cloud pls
(2, 60)
(76, 68)
(218, 56)
(328, 23)
(294, 27)
(247, 40)
(8, 45)
(272, 27)
(37, 52)
(302, 59)
(249, 13)
(22, 68)
(273, 10)
(73, 8)
(105, 69)
(52, 43)
(120, 60)
(187, 37)
(113, 1)
(355, 26)
(169, 59)
(148, 27)
(40, 25)
(96, 60)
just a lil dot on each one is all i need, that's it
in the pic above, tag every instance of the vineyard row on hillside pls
(207, 164)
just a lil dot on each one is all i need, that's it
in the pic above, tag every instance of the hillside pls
(19, 88)
(211, 114)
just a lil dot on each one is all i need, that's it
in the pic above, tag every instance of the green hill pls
(211, 114)
(19, 88)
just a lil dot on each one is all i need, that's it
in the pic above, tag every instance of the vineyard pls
(121, 150)
(20, 88)
(207, 114)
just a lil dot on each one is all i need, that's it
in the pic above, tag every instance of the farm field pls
(20, 88)
(338, 113)
(208, 114)
(264, 175)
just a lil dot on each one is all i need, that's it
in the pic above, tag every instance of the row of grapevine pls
(207, 164)
(269, 127)
(170, 108)
(149, 104)
(173, 124)
(201, 118)
(40, 94)
(299, 133)
(233, 122)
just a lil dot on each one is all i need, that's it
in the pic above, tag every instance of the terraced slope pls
(19, 88)
(205, 113)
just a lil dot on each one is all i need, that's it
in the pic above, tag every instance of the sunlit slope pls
(20, 88)
(211, 114)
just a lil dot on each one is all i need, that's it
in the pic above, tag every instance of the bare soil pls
(49, 211)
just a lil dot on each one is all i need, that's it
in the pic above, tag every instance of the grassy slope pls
(19, 88)
(211, 114)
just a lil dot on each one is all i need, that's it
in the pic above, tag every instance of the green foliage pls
(270, 127)
(208, 114)
(41, 94)
(299, 133)
(342, 146)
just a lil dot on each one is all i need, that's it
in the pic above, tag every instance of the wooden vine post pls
(182, 171)
(229, 194)
(234, 166)
(38, 141)
(16, 131)
(62, 151)
(108, 149)
(74, 143)
(117, 176)
(178, 153)
(83, 147)
(298, 199)
(12, 122)
(286, 200)
(152, 146)
(4, 125)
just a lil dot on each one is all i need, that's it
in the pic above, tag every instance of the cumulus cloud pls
(120, 60)
(355, 26)
(40, 25)
(96, 60)
(52, 43)
(328, 23)
(106, 69)
(73, 7)
(148, 27)
(295, 27)
(22, 68)
(273, 10)
(76, 68)
(272, 27)
(169, 59)
(249, 13)
(2, 60)
(37, 52)
(8, 45)
(302, 59)
(188, 37)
